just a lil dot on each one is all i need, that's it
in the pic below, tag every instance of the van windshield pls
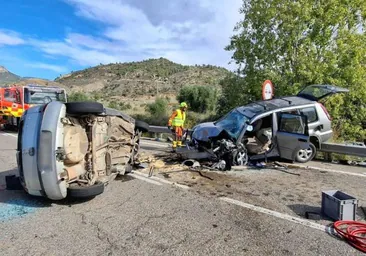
(233, 123)
(42, 96)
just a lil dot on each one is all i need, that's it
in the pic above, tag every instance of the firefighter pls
(176, 124)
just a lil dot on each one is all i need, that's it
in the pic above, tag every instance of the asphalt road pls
(135, 217)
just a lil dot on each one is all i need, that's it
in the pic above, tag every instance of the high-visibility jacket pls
(177, 118)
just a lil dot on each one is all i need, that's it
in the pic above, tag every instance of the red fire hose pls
(354, 232)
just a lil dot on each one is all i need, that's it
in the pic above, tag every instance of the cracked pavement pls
(133, 217)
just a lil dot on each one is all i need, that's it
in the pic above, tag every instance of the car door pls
(292, 134)
(317, 92)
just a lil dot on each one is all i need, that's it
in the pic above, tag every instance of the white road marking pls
(144, 179)
(303, 222)
(334, 171)
(161, 180)
(8, 134)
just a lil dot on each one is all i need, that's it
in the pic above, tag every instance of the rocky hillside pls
(134, 84)
(7, 77)
(145, 78)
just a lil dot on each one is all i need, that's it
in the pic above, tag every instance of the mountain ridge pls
(135, 83)
(7, 77)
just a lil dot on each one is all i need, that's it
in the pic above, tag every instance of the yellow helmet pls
(183, 105)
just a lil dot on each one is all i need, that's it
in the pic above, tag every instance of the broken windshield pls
(42, 96)
(232, 123)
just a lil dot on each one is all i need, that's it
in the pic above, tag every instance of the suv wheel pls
(306, 155)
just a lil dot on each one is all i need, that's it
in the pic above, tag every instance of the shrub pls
(199, 98)
(78, 96)
(158, 108)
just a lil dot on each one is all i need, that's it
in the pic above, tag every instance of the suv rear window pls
(310, 112)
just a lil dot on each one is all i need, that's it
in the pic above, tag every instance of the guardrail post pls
(328, 156)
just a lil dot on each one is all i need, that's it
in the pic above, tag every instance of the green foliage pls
(119, 105)
(158, 112)
(158, 108)
(78, 96)
(236, 92)
(199, 98)
(298, 43)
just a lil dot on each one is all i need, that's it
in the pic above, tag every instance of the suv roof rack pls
(289, 101)
(264, 106)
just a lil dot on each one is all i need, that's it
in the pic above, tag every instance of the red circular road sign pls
(267, 90)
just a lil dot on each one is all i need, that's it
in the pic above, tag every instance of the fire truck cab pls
(15, 100)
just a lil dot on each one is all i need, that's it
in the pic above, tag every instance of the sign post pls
(267, 90)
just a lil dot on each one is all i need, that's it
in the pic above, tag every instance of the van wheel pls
(87, 191)
(306, 155)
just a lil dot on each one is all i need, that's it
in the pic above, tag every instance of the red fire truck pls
(14, 100)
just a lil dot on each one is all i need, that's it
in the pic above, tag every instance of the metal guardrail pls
(344, 149)
(162, 129)
(159, 129)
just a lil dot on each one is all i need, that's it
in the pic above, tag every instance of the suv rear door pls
(292, 134)
(317, 92)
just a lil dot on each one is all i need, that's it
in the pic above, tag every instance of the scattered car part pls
(12, 183)
(151, 171)
(313, 215)
(191, 163)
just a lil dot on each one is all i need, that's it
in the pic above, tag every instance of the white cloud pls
(10, 38)
(189, 32)
(51, 67)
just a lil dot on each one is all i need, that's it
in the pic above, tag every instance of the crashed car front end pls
(218, 141)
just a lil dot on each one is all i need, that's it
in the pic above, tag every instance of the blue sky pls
(46, 38)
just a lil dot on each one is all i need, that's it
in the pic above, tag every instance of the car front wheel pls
(306, 155)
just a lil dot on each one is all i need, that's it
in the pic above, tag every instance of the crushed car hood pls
(205, 131)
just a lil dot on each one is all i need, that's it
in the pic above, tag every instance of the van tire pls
(86, 192)
(82, 108)
(304, 156)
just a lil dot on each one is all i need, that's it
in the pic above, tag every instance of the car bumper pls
(50, 140)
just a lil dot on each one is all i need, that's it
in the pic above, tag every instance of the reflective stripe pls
(179, 119)
(17, 113)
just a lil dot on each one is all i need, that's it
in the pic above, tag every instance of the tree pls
(298, 43)
(199, 98)
(235, 92)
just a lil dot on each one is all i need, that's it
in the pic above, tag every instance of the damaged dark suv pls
(291, 128)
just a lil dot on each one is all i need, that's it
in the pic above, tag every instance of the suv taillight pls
(326, 112)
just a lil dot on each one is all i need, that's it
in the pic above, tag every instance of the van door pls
(292, 134)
